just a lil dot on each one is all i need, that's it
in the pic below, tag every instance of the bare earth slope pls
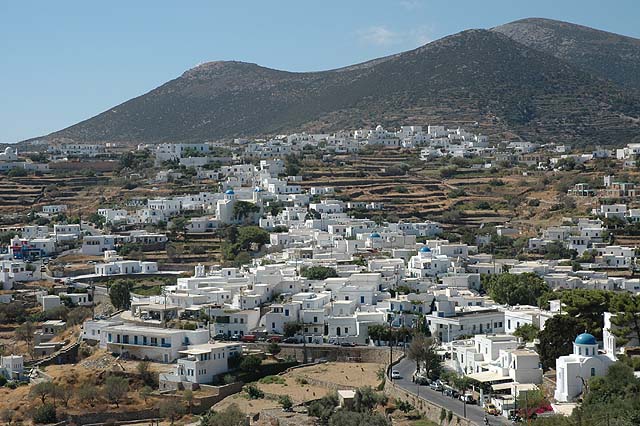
(475, 75)
(607, 55)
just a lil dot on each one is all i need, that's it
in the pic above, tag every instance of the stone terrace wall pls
(428, 409)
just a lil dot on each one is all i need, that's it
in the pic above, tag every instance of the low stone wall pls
(202, 404)
(90, 418)
(374, 354)
(428, 409)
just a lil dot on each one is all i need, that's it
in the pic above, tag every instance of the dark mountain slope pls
(476, 75)
(607, 55)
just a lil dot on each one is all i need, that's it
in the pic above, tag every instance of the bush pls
(286, 402)
(274, 348)
(45, 413)
(269, 380)
(253, 391)
(250, 363)
(319, 273)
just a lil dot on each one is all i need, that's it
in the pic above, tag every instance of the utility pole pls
(209, 322)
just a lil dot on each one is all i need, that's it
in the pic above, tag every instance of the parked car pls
(395, 374)
(449, 391)
(436, 386)
(220, 336)
(467, 398)
(274, 339)
(234, 338)
(290, 340)
(421, 380)
(248, 338)
(491, 409)
(347, 344)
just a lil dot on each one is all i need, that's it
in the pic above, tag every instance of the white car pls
(395, 374)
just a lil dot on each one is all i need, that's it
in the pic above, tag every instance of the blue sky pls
(65, 61)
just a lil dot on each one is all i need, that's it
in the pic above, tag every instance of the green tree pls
(249, 236)
(253, 391)
(45, 414)
(274, 348)
(366, 399)
(115, 389)
(243, 210)
(319, 273)
(25, 332)
(231, 416)
(145, 392)
(515, 289)
(88, 392)
(532, 400)
(291, 328)
(286, 402)
(187, 395)
(528, 332)
(557, 339)
(77, 315)
(627, 317)
(250, 363)
(120, 294)
(42, 390)
(63, 393)
(179, 226)
(171, 409)
(148, 377)
(588, 306)
(324, 407)
(404, 406)
(422, 350)
(344, 417)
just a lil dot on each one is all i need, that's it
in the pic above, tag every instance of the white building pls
(12, 367)
(157, 344)
(575, 369)
(201, 363)
(54, 209)
(96, 245)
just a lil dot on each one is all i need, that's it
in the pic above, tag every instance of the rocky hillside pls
(607, 55)
(478, 76)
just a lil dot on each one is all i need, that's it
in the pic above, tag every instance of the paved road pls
(474, 413)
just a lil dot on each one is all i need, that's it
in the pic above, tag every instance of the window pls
(361, 299)
(315, 320)
(508, 323)
(593, 371)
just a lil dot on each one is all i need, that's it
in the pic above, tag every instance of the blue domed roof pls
(586, 339)
(374, 235)
(257, 189)
(425, 249)
(229, 192)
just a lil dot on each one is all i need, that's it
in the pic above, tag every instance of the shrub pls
(268, 380)
(253, 391)
(286, 402)
(45, 413)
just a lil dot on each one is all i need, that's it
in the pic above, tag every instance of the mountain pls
(476, 76)
(607, 55)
